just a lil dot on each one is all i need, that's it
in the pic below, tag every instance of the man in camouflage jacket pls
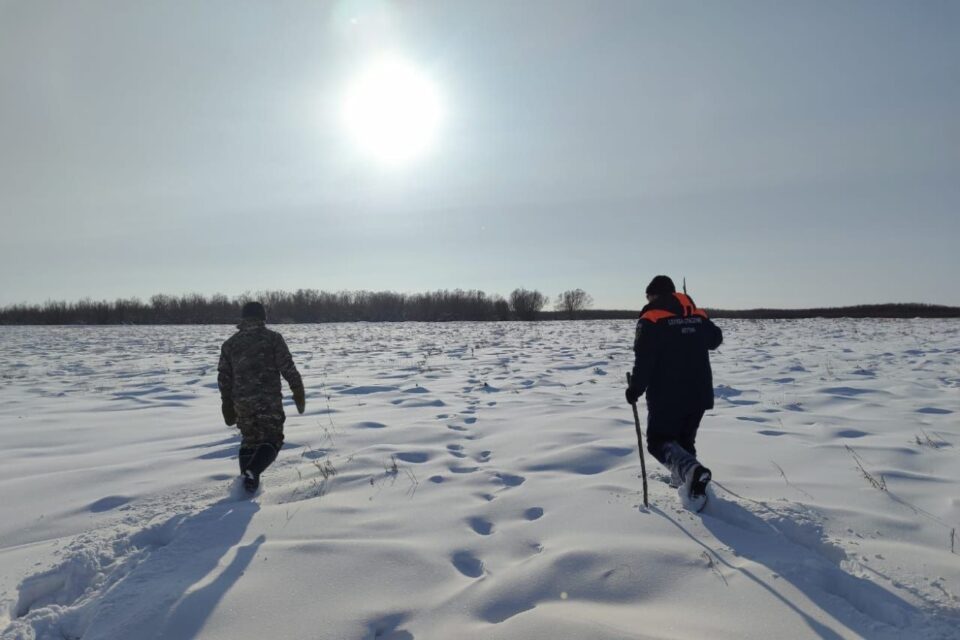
(251, 363)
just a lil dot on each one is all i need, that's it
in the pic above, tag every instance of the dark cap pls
(254, 311)
(661, 285)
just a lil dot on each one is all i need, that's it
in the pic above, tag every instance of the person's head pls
(660, 286)
(253, 311)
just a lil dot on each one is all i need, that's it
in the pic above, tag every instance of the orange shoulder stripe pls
(688, 307)
(655, 315)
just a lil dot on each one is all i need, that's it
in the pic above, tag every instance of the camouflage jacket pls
(251, 363)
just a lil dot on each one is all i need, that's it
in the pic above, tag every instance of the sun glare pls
(392, 111)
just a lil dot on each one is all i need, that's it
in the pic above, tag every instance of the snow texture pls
(472, 480)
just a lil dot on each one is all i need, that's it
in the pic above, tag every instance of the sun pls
(392, 111)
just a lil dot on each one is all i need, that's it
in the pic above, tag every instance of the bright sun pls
(392, 111)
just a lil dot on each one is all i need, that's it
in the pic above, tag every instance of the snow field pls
(480, 480)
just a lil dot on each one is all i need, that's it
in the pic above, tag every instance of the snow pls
(471, 480)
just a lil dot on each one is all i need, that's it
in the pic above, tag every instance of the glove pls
(229, 413)
(300, 399)
(633, 395)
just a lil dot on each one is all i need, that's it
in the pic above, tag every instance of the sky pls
(776, 154)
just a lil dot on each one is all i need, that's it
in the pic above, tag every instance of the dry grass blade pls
(880, 484)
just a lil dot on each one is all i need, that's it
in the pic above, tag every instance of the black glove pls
(229, 413)
(633, 395)
(300, 399)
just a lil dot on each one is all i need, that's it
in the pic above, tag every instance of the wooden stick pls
(643, 464)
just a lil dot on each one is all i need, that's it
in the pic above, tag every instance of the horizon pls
(549, 307)
(777, 155)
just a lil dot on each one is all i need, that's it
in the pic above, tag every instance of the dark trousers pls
(671, 439)
(257, 458)
(262, 439)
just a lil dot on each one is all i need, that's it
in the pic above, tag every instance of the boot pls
(697, 482)
(251, 481)
(693, 493)
(262, 457)
(675, 478)
(246, 454)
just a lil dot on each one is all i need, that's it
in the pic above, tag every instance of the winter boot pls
(693, 493)
(675, 478)
(262, 458)
(246, 455)
(679, 461)
(255, 462)
(251, 481)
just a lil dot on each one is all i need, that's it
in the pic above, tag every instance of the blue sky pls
(773, 153)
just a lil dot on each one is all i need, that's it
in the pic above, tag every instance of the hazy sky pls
(774, 153)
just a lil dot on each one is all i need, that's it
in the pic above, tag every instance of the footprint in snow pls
(533, 513)
(850, 433)
(467, 564)
(771, 433)
(415, 457)
(480, 526)
(112, 502)
(456, 468)
(509, 479)
(369, 425)
(388, 628)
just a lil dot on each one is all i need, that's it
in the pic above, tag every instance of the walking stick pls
(643, 464)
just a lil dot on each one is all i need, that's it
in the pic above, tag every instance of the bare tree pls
(526, 304)
(571, 303)
(501, 308)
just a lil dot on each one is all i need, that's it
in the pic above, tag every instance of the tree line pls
(310, 305)
(303, 305)
(888, 310)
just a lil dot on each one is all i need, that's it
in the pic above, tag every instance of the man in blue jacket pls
(672, 367)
